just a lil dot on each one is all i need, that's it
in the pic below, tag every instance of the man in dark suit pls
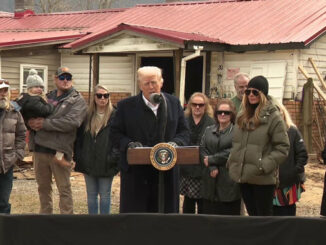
(139, 122)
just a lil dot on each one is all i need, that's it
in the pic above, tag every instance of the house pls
(199, 45)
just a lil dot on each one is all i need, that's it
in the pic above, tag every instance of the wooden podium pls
(142, 156)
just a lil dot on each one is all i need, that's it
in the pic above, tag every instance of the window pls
(42, 71)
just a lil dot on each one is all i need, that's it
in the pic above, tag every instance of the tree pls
(50, 6)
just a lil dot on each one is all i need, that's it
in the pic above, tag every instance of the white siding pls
(10, 67)
(244, 61)
(116, 72)
(317, 52)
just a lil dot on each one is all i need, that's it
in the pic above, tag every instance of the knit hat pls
(34, 80)
(260, 83)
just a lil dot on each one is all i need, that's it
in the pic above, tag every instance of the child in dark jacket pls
(34, 104)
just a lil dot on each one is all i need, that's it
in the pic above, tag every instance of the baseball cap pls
(63, 70)
(4, 83)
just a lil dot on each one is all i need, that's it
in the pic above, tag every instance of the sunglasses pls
(223, 112)
(63, 77)
(4, 82)
(197, 105)
(105, 96)
(253, 91)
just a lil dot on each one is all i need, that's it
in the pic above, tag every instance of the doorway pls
(194, 74)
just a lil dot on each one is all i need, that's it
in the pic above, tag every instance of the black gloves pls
(134, 144)
(173, 144)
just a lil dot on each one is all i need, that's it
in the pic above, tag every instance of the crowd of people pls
(251, 152)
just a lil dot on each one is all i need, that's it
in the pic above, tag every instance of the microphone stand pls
(161, 187)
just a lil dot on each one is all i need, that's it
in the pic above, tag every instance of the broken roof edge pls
(40, 41)
(194, 3)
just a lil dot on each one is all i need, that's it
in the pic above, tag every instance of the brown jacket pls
(12, 140)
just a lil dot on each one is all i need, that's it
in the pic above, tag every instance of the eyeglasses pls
(197, 105)
(4, 82)
(223, 112)
(105, 96)
(253, 91)
(65, 76)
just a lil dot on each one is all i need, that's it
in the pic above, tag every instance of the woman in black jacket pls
(94, 154)
(199, 115)
(291, 172)
(221, 195)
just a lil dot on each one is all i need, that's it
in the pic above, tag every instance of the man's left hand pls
(36, 123)
(173, 144)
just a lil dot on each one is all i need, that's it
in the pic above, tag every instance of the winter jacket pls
(257, 154)
(12, 140)
(59, 129)
(95, 156)
(196, 133)
(217, 145)
(292, 170)
(33, 106)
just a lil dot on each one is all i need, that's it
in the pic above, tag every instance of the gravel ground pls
(24, 197)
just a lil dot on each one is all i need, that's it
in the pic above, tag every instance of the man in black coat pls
(137, 123)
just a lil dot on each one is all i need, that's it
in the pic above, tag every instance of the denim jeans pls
(98, 186)
(5, 190)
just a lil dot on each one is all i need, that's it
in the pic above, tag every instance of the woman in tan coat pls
(260, 143)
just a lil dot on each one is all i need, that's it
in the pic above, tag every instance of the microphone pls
(155, 98)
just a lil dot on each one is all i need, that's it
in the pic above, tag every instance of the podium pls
(188, 155)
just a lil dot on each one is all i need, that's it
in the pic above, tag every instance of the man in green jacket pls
(240, 84)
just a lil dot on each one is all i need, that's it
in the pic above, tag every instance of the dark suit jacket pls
(134, 121)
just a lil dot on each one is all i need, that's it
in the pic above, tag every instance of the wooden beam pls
(307, 113)
(303, 71)
(317, 72)
(96, 69)
(208, 73)
(177, 56)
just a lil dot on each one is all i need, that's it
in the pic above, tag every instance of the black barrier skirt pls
(156, 229)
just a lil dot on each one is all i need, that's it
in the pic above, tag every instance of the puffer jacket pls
(256, 154)
(12, 140)
(217, 145)
(60, 128)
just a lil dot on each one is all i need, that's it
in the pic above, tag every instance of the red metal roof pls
(50, 27)
(226, 21)
(236, 23)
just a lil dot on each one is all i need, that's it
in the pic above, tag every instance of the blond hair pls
(92, 109)
(149, 71)
(29, 91)
(208, 107)
(286, 115)
(249, 116)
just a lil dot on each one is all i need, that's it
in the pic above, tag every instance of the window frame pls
(30, 66)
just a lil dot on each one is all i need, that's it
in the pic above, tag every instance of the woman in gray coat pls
(221, 195)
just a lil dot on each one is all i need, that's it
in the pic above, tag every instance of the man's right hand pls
(135, 144)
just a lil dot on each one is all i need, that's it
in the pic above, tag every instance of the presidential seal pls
(163, 156)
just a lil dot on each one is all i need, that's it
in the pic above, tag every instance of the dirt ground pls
(24, 197)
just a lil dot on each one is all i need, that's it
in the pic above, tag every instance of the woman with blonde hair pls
(94, 154)
(291, 172)
(199, 115)
(260, 143)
